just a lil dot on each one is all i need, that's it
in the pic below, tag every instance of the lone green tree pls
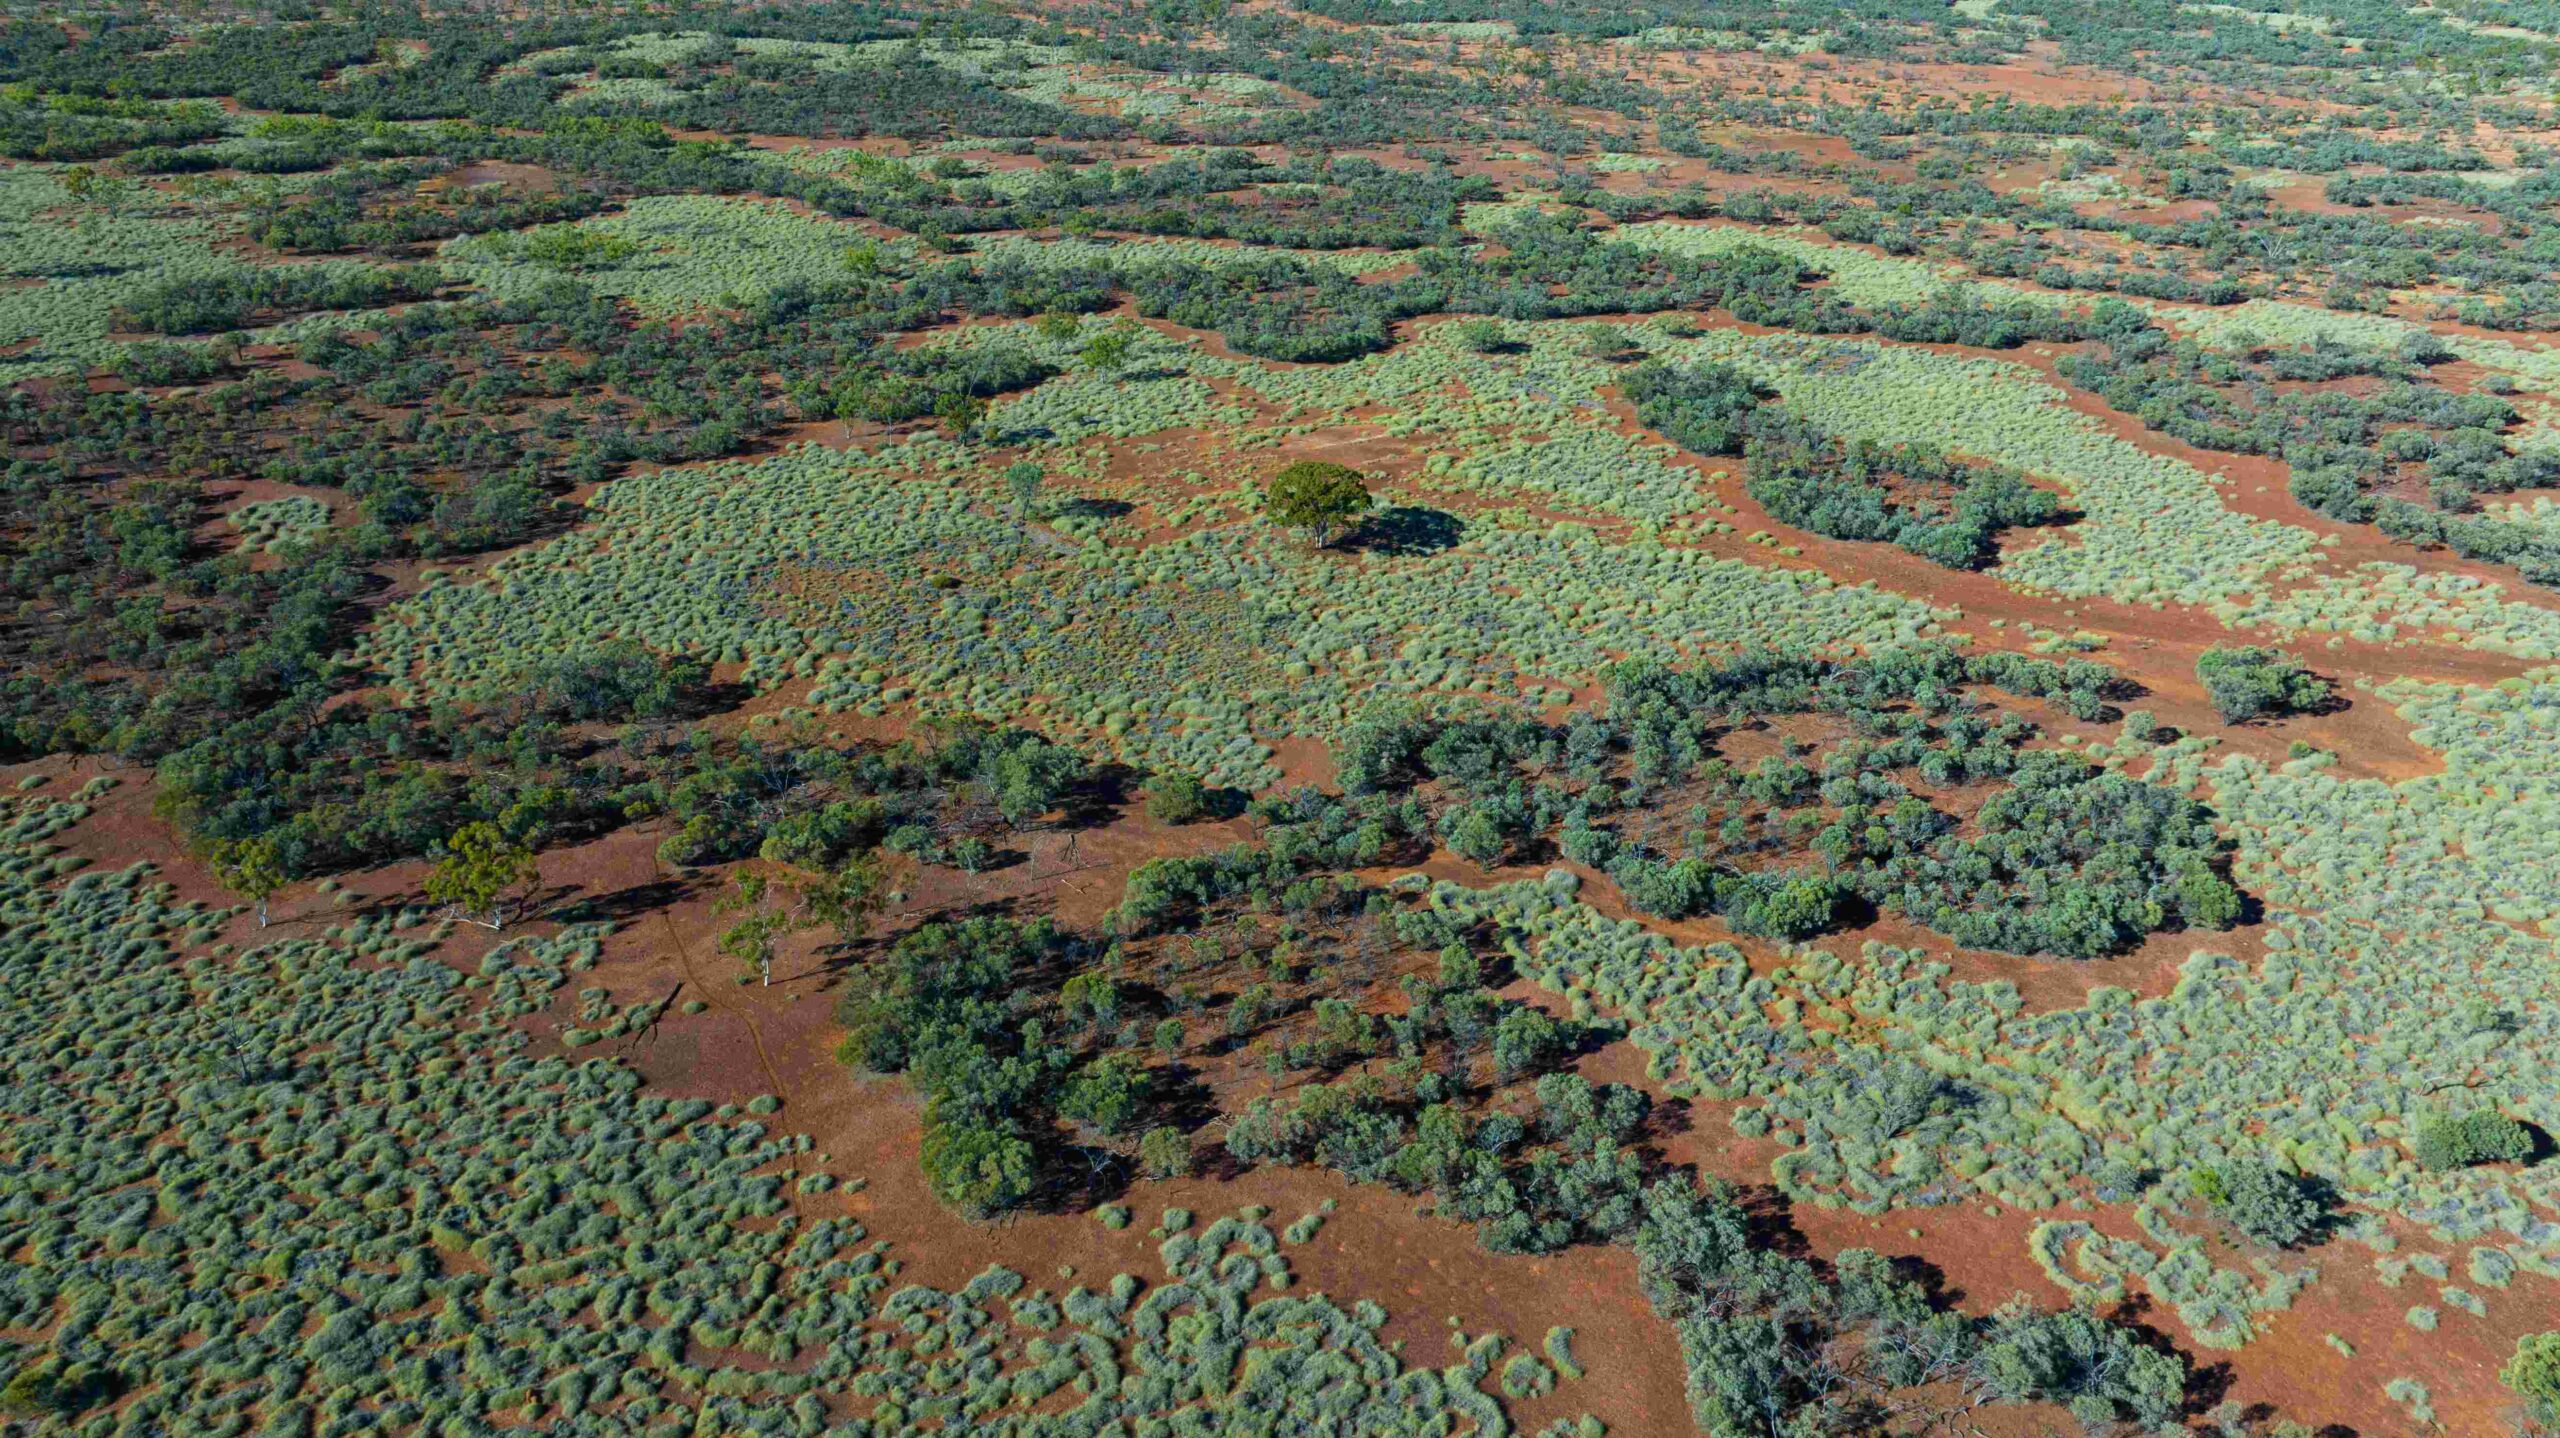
(1111, 349)
(480, 870)
(250, 868)
(1482, 336)
(1022, 480)
(2450, 1141)
(750, 940)
(2260, 1200)
(849, 900)
(960, 413)
(1319, 497)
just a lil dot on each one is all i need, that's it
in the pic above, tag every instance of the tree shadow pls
(1000, 858)
(1221, 1165)
(1407, 530)
(1083, 507)
(1220, 805)
(1079, 1177)
(100, 270)
(2208, 1385)
(1768, 1215)
(2253, 910)
(2543, 1147)
(549, 903)
(709, 699)
(2063, 517)
(1106, 789)
(2333, 1219)
(1183, 1099)
(629, 902)
(1669, 1119)
(1930, 1279)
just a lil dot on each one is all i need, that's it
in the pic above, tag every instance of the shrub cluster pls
(2265, 1202)
(2460, 1140)
(2247, 682)
(1911, 496)
(2065, 858)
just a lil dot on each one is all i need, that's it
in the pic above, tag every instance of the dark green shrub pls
(1177, 799)
(611, 681)
(2448, 1141)
(1701, 407)
(2533, 1374)
(233, 299)
(939, 979)
(1107, 1093)
(50, 1385)
(2102, 1373)
(2248, 681)
(1482, 336)
(1164, 1152)
(1030, 777)
(1914, 496)
(1585, 845)
(1779, 906)
(978, 1169)
(822, 837)
(1526, 1040)
(1473, 834)
(2264, 1202)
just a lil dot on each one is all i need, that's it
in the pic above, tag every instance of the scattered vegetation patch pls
(2247, 682)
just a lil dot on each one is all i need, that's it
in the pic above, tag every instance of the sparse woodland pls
(865, 719)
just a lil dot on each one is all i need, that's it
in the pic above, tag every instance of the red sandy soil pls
(1826, 151)
(2038, 77)
(518, 179)
(2311, 197)
(751, 1039)
(233, 494)
(757, 1040)
(2301, 1373)
(2156, 648)
(2170, 212)
(754, 1040)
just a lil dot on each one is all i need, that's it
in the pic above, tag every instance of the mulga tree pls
(250, 868)
(1319, 497)
(751, 940)
(481, 871)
